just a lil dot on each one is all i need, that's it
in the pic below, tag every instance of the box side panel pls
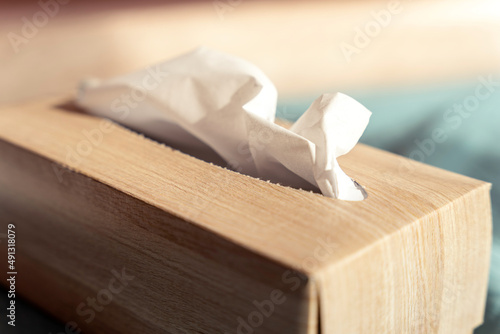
(430, 277)
(108, 262)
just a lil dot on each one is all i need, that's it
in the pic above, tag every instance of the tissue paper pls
(221, 109)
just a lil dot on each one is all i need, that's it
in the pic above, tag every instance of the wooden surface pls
(204, 242)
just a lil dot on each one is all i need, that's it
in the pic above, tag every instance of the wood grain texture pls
(204, 243)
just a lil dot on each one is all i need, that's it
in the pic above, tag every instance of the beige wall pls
(298, 44)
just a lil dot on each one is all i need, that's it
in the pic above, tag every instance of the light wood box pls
(206, 245)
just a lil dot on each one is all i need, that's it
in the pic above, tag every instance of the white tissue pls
(221, 109)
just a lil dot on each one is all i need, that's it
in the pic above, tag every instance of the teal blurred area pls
(403, 122)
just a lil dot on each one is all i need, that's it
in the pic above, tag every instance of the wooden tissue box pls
(116, 233)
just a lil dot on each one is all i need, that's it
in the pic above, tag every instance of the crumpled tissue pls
(222, 109)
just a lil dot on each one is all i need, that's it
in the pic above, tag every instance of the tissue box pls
(116, 233)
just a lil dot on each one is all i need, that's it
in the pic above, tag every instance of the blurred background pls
(419, 66)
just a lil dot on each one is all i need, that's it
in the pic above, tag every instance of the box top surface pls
(302, 230)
